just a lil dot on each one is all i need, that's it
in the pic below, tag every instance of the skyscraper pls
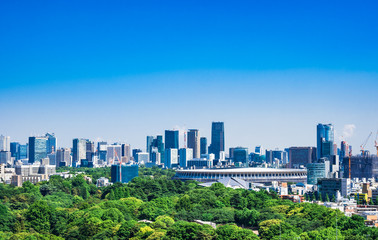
(14, 149)
(241, 156)
(63, 157)
(37, 149)
(149, 139)
(171, 157)
(79, 150)
(126, 153)
(203, 145)
(4, 143)
(301, 156)
(22, 152)
(185, 154)
(217, 139)
(194, 142)
(325, 140)
(90, 151)
(171, 139)
(51, 143)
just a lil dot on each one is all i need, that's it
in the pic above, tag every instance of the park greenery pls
(153, 206)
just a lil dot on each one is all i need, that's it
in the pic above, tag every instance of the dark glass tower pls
(171, 139)
(37, 149)
(217, 139)
(203, 145)
(194, 142)
(51, 143)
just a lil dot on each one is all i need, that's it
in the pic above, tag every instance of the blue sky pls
(121, 70)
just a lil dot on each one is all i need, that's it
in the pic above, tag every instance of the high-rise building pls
(90, 151)
(185, 154)
(155, 156)
(217, 139)
(259, 150)
(142, 157)
(123, 173)
(50, 143)
(5, 157)
(102, 146)
(241, 156)
(37, 149)
(63, 157)
(135, 152)
(203, 145)
(22, 152)
(14, 146)
(315, 171)
(79, 150)
(4, 143)
(150, 139)
(171, 139)
(114, 153)
(157, 143)
(272, 155)
(325, 140)
(194, 142)
(126, 153)
(171, 157)
(301, 156)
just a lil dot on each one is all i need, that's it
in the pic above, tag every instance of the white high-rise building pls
(5, 143)
(171, 157)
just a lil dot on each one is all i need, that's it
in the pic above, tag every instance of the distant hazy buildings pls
(194, 142)
(217, 139)
(301, 156)
(37, 149)
(4, 143)
(63, 157)
(5, 158)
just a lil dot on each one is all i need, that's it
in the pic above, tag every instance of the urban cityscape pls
(188, 120)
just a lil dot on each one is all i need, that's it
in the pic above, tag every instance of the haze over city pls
(123, 71)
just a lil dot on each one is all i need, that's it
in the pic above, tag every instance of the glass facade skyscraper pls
(325, 140)
(217, 139)
(22, 152)
(128, 172)
(14, 146)
(203, 145)
(171, 139)
(51, 143)
(37, 149)
(79, 150)
(241, 156)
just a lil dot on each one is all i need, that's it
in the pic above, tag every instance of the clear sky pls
(121, 70)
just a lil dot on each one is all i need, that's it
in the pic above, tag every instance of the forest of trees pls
(76, 209)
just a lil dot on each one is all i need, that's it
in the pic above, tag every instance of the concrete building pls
(126, 153)
(63, 157)
(142, 157)
(114, 153)
(4, 143)
(194, 142)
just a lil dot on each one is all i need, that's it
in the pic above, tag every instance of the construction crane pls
(364, 144)
(376, 142)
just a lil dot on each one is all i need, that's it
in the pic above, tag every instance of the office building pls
(5, 158)
(185, 154)
(90, 151)
(315, 171)
(142, 157)
(259, 150)
(102, 146)
(14, 147)
(50, 143)
(135, 152)
(330, 187)
(361, 166)
(199, 163)
(63, 157)
(157, 143)
(150, 139)
(4, 143)
(241, 156)
(37, 149)
(217, 139)
(123, 173)
(79, 151)
(203, 141)
(325, 140)
(155, 157)
(194, 142)
(301, 156)
(231, 153)
(171, 139)
(114, 153)
(171, 158)
(22, 152)
(126, 153)
(272, 155)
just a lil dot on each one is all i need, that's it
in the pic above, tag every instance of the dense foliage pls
(76, 209)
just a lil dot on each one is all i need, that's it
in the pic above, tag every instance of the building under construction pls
(361, 166)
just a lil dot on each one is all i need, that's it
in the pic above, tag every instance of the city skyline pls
(129, 70)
